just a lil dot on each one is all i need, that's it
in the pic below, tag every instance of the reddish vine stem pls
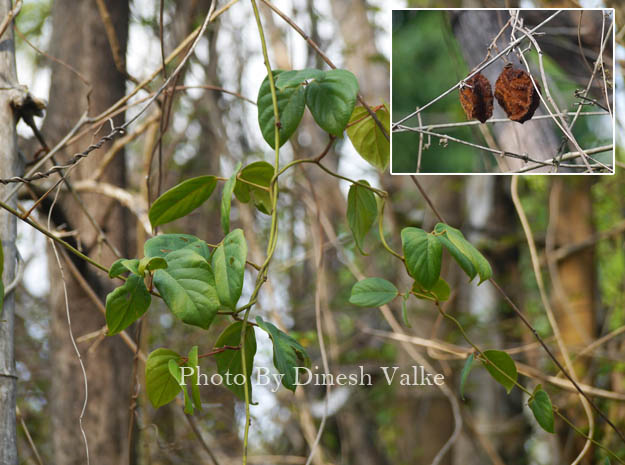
(526, 322)
(215, 351)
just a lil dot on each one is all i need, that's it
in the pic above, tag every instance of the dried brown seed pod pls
(516, 94)
(476, 98)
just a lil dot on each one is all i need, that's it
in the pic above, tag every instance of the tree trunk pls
(79, 39)
(474, 31)
(9, 165)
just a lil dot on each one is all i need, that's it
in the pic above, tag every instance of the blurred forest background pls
(578, 225)
(431, 50)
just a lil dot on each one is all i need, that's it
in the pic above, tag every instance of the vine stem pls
(588, 437)
(526, 322)
(271, 246)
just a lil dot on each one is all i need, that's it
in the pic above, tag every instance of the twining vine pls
(198, 281)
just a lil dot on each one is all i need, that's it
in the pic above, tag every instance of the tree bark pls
(475, 30)
(79, 39)
(9, 166)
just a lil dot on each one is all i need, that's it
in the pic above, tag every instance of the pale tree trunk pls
(9, 165)
(474, 31)
(573, 277)
(79, 39)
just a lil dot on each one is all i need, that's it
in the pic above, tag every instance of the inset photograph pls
(502, 91)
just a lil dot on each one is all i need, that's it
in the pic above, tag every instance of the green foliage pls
(253, 183)
(176, 373)
(194, 363)
(226, 199)
(540, 404)
(288, 354)
(164, 244)
(467, 256)
(329, 95)
(181, 200)
(501, 367)
(228, 263)
(440, 291)
(331, 100)
(466, 369)
(373, 292)
(367, 137)
(229, 362)
(150, 264)
(362, 210)
(160, 386)
(291, 104)
(124, 265)
(187, 286)
(297, 77)
(423, 253)
(126, 304)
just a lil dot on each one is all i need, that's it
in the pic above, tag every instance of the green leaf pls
(607, 461)
(505, 364)
(226, 199)
(132, 265)
(331, 100)
(367, 137)
(373, 292)
(288, 354)
(181, 200)
(463, 251)
(151, 264)
(126, 304)
(229, 267)
(362, 210)
(160, 386)
(193, 363)
(291, 104)
(164, 244)
(187, 286)
(124, 265)
(176, 373)
(116, 268)
(465, 374)
(230, 360)
(296, 77)
(259, 173)
(441, 290)
(423, 253)
(540, 404)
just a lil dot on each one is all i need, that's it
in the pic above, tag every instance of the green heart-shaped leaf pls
(331, 100)
(160, 386)
(367, 137)
(504, 364)
(187, 286)
(126, 304)
(291, 103)
(423, 253)
(230, 360)
(228, 263)
(288, 354)
(541, 407)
